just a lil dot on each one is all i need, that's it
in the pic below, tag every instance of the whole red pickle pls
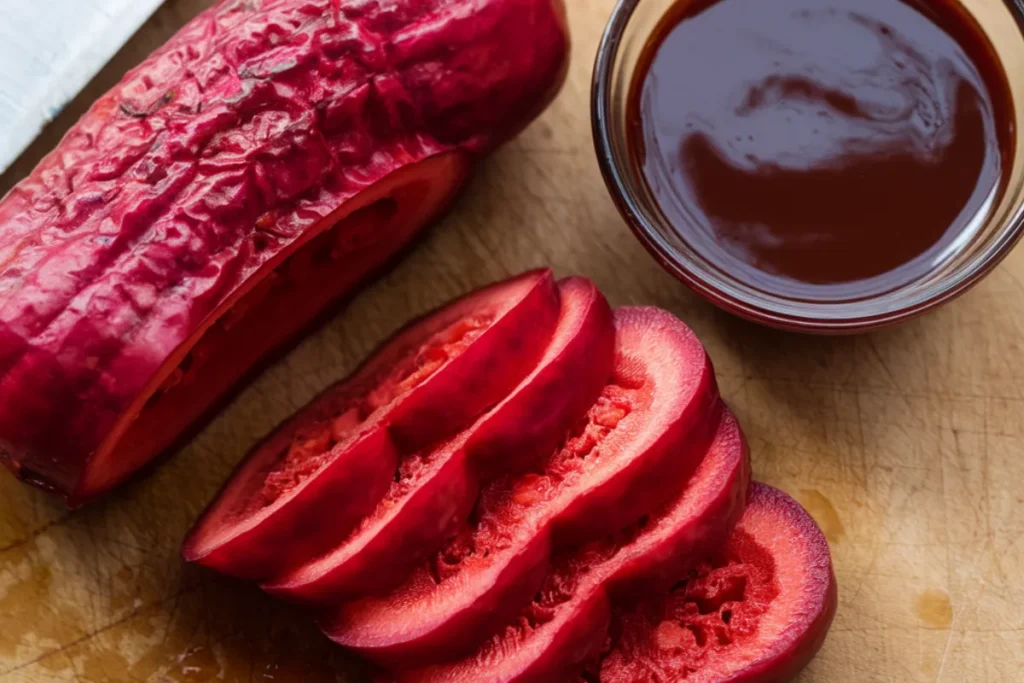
(249, 173)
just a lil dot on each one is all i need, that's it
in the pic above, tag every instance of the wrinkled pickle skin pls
(228, 146)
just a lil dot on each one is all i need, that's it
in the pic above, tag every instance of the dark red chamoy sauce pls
(823, 149)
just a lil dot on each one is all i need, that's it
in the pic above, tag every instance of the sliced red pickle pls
(435, 489)
(757, 613)
(632, 452)
(566, 624)
(310, 483)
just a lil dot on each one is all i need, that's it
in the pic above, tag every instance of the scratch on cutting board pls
(958, 617)
(36, 533)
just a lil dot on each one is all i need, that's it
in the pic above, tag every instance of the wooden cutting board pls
(906, 445)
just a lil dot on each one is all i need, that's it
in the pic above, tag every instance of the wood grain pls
(906, 445)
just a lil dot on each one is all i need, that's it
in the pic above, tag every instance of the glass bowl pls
(629, 28)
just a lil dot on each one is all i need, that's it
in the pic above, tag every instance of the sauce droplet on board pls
(822, 149)
(934, 608)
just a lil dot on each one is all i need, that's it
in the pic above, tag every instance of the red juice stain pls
(822, 148)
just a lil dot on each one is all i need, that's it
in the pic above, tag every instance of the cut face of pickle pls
(434, 490)
(338, 458)
(631, 451)
(314, 442)
(756, 611)
(564, 623)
